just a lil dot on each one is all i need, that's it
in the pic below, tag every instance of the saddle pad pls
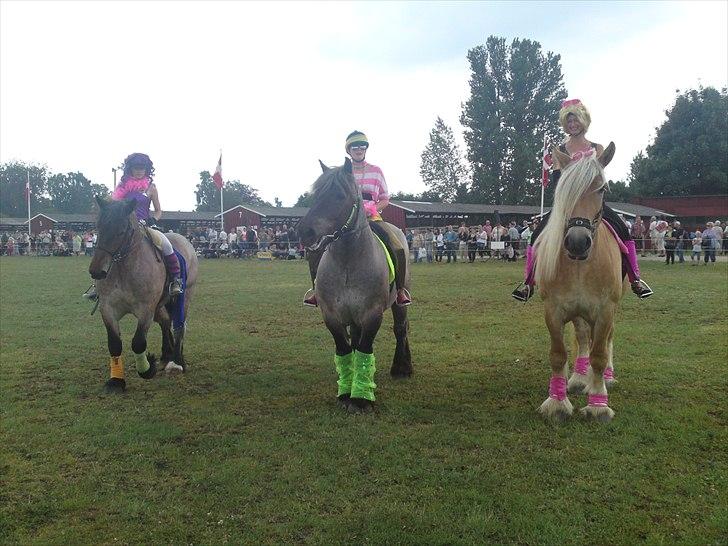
(154, 236)
(390, 263)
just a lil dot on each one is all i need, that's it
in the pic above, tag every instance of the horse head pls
(335, 202)
(586, 213)
(114, 226)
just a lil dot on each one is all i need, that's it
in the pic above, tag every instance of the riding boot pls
(309, 298)
(639, 287)
(172, 263)
(400, 274)
(523, 294)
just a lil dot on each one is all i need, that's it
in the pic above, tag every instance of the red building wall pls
(715, 206)
(395, 215)
(240, 217)
(41, 223)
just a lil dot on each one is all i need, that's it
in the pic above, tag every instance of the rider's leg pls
(313, 258)
(399, 254)
(639, 287)
(172, 263)
(527, 288)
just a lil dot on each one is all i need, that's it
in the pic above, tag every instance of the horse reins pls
(124, 249)
(326, 240)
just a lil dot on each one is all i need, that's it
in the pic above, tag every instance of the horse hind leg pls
(402, 361)
(171, 345)
(557, 406)
(146, 363)
(578, 381)
(116, 382)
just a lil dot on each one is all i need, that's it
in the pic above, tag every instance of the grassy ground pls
(250, 447)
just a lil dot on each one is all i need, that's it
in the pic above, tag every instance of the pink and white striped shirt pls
(371, 180)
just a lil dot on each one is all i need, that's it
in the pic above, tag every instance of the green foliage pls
(690, 153)
(67, 193)
(73, 192)
(441, 167)
(304, 200)
(249, 446)
(619, 192)
(516, 93)
(234, 193)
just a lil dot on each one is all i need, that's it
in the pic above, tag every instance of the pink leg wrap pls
(172, 264)
(599, 400)
(608, 374)
(557, 388)
(529, 269)
(581, 366)
(633, 272)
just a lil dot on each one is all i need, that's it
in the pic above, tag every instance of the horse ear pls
(347, 166)
(607, 154)
(129, 205)
(561, 157)
(324, 168)
(101, 202)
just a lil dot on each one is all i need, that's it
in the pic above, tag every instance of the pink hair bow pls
(570, 102)
(582, 153)
(370, 208)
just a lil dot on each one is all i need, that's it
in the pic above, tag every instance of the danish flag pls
(217, 177)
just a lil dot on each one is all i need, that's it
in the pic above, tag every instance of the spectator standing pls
(451, 244)
(482, 242)
(708, 243)
(638, 233)
(514, 238)
(681, 240)
(76, 244)
(417, 244)
(669, 242)
(439, 245)
(463, 234)
(429, 239)
(719, 235)
(697, 240)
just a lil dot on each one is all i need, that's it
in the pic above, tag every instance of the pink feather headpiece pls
(131, 185)
(570, 102)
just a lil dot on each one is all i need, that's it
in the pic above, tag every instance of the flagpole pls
(222, 218)
(542, 186)
(27, 196)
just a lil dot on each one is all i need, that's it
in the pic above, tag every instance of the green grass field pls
(250, 447)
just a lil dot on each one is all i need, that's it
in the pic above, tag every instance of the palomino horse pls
(131, 279)
(579, 275)
(353, 285)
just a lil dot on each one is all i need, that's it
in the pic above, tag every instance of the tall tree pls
(690, 153)
(234, 193)
(442, 168)
(73, 192)
(516, 92)
(304, 200)
(13, 177)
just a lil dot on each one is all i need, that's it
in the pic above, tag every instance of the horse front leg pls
(598, 400)
(609, 379)
(557, 406)
(578, 380)
(402, 362)
(146, 364)
(116, 382)
(362, 384)
(343, 361)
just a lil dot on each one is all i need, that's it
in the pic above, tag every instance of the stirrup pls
(91, 294)
(524, 294)
(309, 298)
(175, 288)
(404, 298)
(641, 288)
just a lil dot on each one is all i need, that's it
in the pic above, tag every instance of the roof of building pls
(281, 212)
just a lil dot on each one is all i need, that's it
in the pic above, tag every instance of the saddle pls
(391, 257)
(154, 237)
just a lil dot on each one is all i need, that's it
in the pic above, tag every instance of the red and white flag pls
(546, 163)
(217, 177)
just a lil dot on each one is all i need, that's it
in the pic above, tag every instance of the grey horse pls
(131, 279)
(353, 285)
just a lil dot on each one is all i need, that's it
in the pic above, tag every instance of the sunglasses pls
(358, 148)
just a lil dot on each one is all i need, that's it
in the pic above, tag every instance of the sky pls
(277, 86)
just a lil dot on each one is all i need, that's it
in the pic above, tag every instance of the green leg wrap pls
(345, 368)
(142, 364)
(362, 386)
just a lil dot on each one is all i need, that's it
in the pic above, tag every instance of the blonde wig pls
(576, 107)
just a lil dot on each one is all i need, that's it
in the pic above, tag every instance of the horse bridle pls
(125, 246)
(591, 225)
(326, 240)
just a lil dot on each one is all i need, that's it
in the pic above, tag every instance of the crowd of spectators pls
(54, 242)
(279, 242)
(669, 239)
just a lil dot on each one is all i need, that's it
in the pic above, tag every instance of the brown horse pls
(353, 285)
(579, 275)
(131, 279)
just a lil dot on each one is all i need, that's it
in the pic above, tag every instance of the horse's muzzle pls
(577, 245)
(97, 275)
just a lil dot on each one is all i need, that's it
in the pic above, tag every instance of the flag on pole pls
(546, 163)
(26, 193)
(217, 177)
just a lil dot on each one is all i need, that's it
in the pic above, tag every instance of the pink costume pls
(371, 181)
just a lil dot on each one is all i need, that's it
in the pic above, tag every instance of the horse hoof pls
(152, 371)
(343, 401)
(400, 374)
(600, 414)
(115, 386)
(360, 405)
(173, 369)
(610, 383)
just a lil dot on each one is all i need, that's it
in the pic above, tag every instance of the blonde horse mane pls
(575, 180)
